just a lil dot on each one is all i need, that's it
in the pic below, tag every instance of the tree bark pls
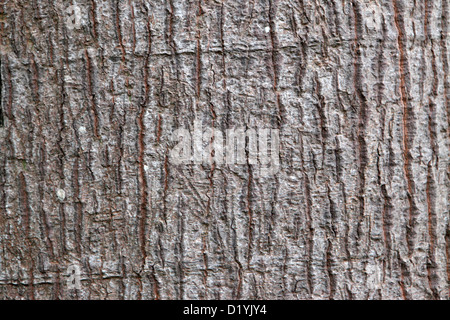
(357, 89)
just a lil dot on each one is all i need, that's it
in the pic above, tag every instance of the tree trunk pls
(91, 96)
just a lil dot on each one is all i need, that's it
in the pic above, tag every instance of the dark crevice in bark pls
(430, 185)
(321, 110)
(93, 16)
(443, 44)
(387, 223)
(198, 60)
(118, 29)
(143, 211)
(91, 94)
(408, 134)
(408, 120)
(133, 26)
(45, 223)
(237, 292)
(329, 259)
(363, 119)
(78, 208)
(60, 159)
(249, 207)
(26, 211)
(447, 251)
(179, 252)
(2, 120)
(275, 58)
(309, 248)
(9, 106)
(340, 181)
(386, 219)
(166, 185)
(431, 264)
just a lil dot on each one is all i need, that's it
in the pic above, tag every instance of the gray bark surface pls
(358, 89)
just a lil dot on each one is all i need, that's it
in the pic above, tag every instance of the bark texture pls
(358, 89)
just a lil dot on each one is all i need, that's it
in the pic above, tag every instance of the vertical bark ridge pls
(430, 185)
(407, 117)
(443, 45)
(25, 206)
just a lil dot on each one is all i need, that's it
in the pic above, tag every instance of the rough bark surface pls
(358, 89)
